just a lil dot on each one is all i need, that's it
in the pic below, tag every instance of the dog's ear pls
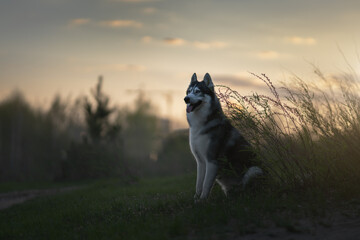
(208, 81)
(193, 78)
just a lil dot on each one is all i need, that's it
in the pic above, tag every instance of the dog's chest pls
(199, 144)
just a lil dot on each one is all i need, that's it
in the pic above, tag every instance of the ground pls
(163, 208)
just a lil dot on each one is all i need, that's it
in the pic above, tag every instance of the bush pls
(90, 161)
(175, 156)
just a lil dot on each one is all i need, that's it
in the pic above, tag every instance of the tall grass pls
(306, 135)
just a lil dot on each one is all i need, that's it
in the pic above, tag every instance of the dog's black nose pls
(187, 99)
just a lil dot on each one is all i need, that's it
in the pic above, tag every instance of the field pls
(163, 208)
(307, 142)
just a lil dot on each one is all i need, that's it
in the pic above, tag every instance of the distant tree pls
(141, 134)
(31, 141)
(103, 155)
(57, 112)
(98, 116)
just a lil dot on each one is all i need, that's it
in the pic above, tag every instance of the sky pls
(50, 47)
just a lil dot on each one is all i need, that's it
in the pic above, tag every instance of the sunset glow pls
(49, 47)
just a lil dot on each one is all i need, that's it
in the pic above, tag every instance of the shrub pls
(175, 156)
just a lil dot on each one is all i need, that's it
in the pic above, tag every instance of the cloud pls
(149, 10)
(117, 23)
(197, 44)
(79, 22)
(115, 68)
(127, 67)
(301, 40)
(147, 39)
(268, 55)
(121, 24)
(208, 45)
(134, 1)
(174, 41)
(242, 81)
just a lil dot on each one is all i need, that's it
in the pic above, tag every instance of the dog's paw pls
(196, 198)
(199, 200)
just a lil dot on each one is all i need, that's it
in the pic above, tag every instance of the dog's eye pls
(197, 91)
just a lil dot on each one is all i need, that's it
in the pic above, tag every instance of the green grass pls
(157, 208)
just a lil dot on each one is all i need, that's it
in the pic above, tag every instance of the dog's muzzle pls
(191, 106)
(187, 99)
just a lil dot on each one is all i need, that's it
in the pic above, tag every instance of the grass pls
(156, 208)
(306, 135)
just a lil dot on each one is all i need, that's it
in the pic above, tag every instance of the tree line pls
(87, 138)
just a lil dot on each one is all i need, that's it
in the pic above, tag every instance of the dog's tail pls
(250, 174)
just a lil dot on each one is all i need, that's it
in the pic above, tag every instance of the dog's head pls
(198, 92)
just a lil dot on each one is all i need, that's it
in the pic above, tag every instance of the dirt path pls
(9, 199)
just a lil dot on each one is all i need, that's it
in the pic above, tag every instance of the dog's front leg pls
(201, 169)
(210, 175)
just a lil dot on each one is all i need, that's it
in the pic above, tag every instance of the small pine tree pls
(102, 156)
(98, 116)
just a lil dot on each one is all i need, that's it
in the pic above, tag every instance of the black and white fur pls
(216, 145)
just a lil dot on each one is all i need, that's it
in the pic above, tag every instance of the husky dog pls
(221, 152)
